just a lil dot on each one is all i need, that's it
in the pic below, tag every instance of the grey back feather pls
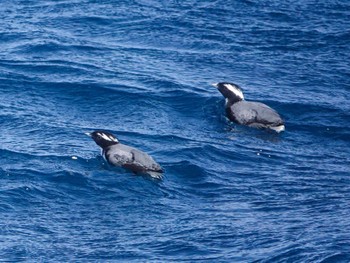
(246, 112)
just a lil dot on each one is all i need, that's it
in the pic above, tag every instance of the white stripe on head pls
(235, 90)
(107, 137)
(113, 138)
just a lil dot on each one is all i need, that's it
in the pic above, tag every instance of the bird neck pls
(106, 144)
(232, 100)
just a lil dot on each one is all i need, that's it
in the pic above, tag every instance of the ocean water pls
(142, 69)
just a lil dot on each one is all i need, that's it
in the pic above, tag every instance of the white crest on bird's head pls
(230, 91)
(107, 137)
(103, 138)
(234, 89)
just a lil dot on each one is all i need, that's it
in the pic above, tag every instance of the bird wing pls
(118, 155)
(145, 161)
(131, 158)
(248, 113)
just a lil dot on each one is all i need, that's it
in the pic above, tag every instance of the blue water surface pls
(142, 69)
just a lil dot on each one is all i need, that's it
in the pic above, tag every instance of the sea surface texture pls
(142, 70)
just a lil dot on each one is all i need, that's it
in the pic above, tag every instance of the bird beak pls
(88, 133)
(215, 85)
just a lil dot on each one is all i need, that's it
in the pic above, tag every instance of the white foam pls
(155, 175)
(278, 128)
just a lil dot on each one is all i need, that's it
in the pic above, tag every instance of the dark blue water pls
(142, 70)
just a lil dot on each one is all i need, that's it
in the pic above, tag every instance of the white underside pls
(278, 128)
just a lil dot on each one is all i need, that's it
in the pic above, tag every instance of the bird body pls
(254, 114)
(118, 154)
(249, 113)
(130, 158)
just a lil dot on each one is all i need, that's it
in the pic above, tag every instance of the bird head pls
(103, 138)
(230, 91)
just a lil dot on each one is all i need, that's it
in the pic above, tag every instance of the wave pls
(142, 70)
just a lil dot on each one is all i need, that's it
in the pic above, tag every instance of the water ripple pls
(142, 70)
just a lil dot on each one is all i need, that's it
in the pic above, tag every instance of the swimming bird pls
(250, 113)
(118, 154)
